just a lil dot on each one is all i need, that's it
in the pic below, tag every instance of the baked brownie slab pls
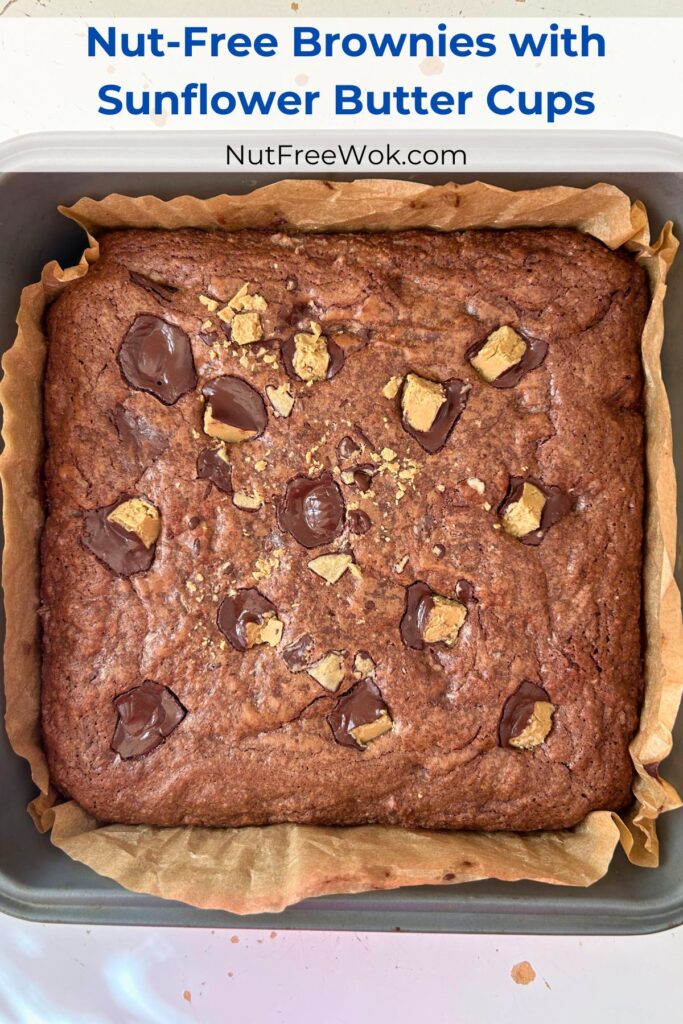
(345, 528)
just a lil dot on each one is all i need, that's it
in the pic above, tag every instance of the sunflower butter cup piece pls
(527, 717)
(123, 535)
(328, 670)
(247, 619)
(530, 507)
(311, 356)
(505, 357)
(430, 409)
(430, 618)
(234, 411)
(360, 716)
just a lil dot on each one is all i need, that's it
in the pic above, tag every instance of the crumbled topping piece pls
(330, 568)
(281, 399)
(392, 387)
(246, 328)
(363, 665)
(248, 502)
(401, 564)
(311, 359)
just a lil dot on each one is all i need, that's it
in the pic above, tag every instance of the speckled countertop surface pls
(67, 974)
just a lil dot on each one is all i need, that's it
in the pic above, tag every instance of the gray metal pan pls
(39, 882)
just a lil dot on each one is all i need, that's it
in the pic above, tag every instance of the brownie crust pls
(252, 742)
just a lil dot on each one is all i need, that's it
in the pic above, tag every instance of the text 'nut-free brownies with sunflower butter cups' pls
(344, 529)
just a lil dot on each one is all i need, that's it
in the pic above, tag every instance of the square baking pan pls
(39, 882)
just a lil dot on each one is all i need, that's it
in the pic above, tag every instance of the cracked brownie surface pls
(324, 544)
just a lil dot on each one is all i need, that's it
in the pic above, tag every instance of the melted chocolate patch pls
(156, 356)
(163, 292)
(120, 550)
(557, 505)
(360, 705)
(235, 402)
(335, 352)
(347, 448)
(210, 466)
(298, 655)
(312, 510)
(517, 711)
(238, 610)
(359, 522)
(451, 410)
(147, 442)
(419, 603)
(148, 714)
(534, 354)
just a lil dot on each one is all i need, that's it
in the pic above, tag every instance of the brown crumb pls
(235, 939)
(187, 996)
(523, 973)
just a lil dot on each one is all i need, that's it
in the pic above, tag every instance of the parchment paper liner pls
(253, 870)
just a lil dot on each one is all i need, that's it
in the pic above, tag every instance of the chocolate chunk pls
(455, 399)
(534, 354)
(557, 505)
(135, 432)
(156, 356)
(163, 292)
(419, 603)
(297, 656)
(312, 510)
(347, 448)
(464, 591)
(148, 714)
(237, 612)
(212, 466)
(193, 522)
(362, 477)
(439, 551)
(236, 405)
(119, 549)
(517, 711)
(362, 705)
(359, 521)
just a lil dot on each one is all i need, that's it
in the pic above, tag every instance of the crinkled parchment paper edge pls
(265, 869)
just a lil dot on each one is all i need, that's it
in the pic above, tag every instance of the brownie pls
(345, 528)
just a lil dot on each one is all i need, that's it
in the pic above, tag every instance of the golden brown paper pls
(253, 870)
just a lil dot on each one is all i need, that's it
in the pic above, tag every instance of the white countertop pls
(69, 974)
